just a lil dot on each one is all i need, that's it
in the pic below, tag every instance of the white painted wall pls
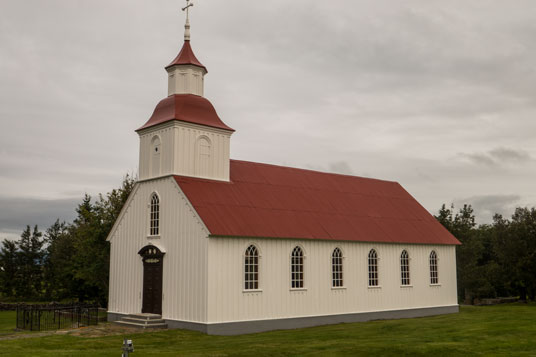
(227, 301)
(184, 239)
(183, 152)
(203, 277)
(186, 79)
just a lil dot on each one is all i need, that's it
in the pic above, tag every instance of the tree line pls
(69, 261)
(497, 259)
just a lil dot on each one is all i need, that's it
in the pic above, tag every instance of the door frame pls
(152, 255)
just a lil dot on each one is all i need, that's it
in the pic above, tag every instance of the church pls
(224, 246)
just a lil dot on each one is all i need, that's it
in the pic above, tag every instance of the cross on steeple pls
(187, 8)
(187, 25)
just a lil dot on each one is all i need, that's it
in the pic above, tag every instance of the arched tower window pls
(373, 268)
(155, 156)
(251, 268)
(404, 268)
(154, 216)
(296, 268)
(203, 156)
(336, 268)
(434, 278)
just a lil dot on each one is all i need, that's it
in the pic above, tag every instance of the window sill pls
(298, 289)
(406, 286)
(246, 291)
(435, 284)
(375, 287)
(338, 288)
(153, 237)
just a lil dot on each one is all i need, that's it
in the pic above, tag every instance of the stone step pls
(141, 325)
(142, 321)
(145, 316)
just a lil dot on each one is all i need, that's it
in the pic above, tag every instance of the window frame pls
(155, 158)
(434, 268)
(337, 269)
(199, 161)
(373, 280)
(405, 273)
(299, 283)
(255, 274)
(154, 215)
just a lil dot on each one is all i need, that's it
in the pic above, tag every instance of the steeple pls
(185, 136)
(185, 72)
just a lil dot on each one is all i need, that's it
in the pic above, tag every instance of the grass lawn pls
(7, 322)
(491, 330)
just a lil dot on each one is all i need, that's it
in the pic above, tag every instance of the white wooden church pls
(223, 246)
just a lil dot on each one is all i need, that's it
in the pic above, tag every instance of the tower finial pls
(187, 25)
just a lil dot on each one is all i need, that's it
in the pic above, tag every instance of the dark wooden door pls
(152, 285)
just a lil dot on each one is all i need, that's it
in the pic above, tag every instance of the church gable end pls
(182, 236)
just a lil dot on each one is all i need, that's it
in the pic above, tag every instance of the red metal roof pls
(190, 108)
(186, 56)
(282, 202)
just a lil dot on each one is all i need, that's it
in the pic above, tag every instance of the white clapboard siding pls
(179, 145)
(229, 302)
(184, 239)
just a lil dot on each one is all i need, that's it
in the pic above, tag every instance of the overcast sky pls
(437, 95)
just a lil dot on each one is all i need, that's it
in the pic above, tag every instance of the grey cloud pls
(341, 167)
(506, 154)
(498, 156)
(386, 87)
(480, 159)
(488, 205)
(16, 213)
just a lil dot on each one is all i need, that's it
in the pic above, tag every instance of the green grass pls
(492, 330)
(7, 322)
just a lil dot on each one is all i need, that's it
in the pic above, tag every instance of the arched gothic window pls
(251, 268)
(296, 268)
(434, 278)
(404, 268)
(155, 156)
(203, 153)
(373, 268)
(336, 268)
(154, 216)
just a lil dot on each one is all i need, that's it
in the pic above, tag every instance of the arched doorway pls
(152, 279)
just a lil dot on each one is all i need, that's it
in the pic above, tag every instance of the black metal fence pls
(56, 317)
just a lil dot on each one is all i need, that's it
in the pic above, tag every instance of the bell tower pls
(185, 136)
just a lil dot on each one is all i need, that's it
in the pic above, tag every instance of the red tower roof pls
(186, 56)
(189, 108)
(282, 202)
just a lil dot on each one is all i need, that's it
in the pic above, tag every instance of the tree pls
(30, 258)
(515, 246)
(8, 268)
(72, 260)
(90, 230)
(57, 266)
(473, 265)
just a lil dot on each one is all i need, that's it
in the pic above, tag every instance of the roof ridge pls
(316, 171)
